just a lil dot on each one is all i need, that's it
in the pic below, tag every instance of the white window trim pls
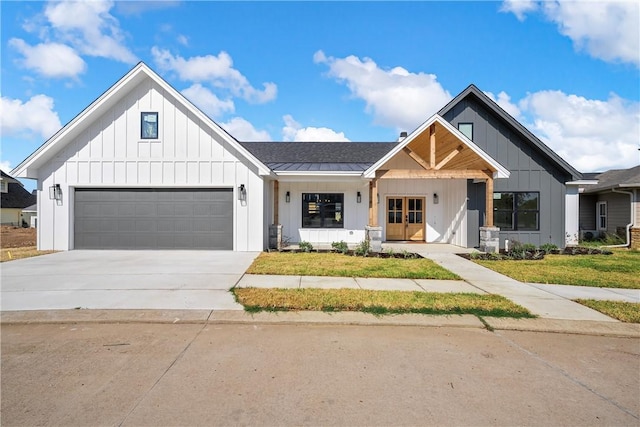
(599, 216)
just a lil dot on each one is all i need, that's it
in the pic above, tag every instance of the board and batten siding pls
(356, 215)
(110, 153)
(530, 170)
(446, 222)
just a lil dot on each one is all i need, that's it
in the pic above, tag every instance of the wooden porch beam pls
(415, 156)
(432, 146)
(276, 202)
(431, 174)
(488, 219)
(373, 203)
(450, 156)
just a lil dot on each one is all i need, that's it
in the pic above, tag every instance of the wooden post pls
(276, 202)
(432, 146)
(488, 220)
(373, 202)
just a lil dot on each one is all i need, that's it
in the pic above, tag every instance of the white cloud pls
(90, 28)
(242, 130)
(34, 117)
(183, 40)
(53, 60)
(293, 131)
(592, 135)
(395, 97)
(140, 7)
(215, 70)
(207, 101)
(504, 101)
(519, 7)
(5, 165)
(607, 30)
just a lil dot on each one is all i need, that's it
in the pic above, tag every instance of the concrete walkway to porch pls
(545, 302)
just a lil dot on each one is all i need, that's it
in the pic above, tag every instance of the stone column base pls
(490, 239)
(374, 236)
(275, 236)
(634, 233)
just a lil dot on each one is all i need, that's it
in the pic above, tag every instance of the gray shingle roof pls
(319, 156)
(17, 196)
(616, 178)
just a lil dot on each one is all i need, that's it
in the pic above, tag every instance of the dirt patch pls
(17, 237)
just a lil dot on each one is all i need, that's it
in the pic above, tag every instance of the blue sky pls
(362, 71)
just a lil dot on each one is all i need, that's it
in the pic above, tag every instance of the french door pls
(405, 218)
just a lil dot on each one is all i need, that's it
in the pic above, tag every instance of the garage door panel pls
(154, 219)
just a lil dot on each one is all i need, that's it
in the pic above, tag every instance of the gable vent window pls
(149, 125)
(466, 129)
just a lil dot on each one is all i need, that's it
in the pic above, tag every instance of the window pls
(149, 125)
(466, 129)
(322, 210)
(601, 215)
(4, 187)
(517, 211)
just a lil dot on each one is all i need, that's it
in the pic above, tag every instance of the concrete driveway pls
(124, 280)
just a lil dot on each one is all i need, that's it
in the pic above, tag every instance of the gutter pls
(630, 217)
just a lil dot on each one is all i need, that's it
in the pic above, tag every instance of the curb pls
(580, 327)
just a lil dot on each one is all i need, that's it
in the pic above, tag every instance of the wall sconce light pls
(359, 197)
(436, 199)
(242, 193)
(55, 192)
(378, 197)
(287, 197)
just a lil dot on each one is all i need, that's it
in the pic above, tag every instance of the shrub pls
(363, 248)
(305, 246)
(340, 246)
(548, 247)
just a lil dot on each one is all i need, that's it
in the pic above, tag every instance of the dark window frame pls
(325, 207)
(516, 211)
(154, 134)
(466, 123)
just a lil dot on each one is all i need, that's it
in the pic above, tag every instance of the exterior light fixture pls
(242, 193)
(359, 197)
(436, 199)
(55, 192)
(287, 197)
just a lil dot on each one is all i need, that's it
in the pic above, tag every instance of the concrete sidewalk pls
(546, 301)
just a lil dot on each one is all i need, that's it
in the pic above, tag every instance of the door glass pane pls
(418, 217)
(412, 218)
(398, 217)
(418, 204)
(391, 218)
(398, 204)
(412, 204)
(391, 203)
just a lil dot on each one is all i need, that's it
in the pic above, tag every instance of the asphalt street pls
(258, 374)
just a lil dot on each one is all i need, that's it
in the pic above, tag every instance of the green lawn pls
(339, 265)
(377, 302)
(623, 311)
(620, 270)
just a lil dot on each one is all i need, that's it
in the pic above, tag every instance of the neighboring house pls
(30, 215)
(142, 167)
(13, 199)
(611, 204)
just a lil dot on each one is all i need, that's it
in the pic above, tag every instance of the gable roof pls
(290, 157)
(28, 168)
(472, 90)
(500, 171)
(616, 178)
(16, 195)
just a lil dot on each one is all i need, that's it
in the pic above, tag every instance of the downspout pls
(630, 218)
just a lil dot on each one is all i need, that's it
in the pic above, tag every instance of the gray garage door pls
(146, 218)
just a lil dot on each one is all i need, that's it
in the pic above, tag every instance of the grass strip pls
(620, 270)
(376, 302)
(339, 265)
(9, 254)
(628, 312)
